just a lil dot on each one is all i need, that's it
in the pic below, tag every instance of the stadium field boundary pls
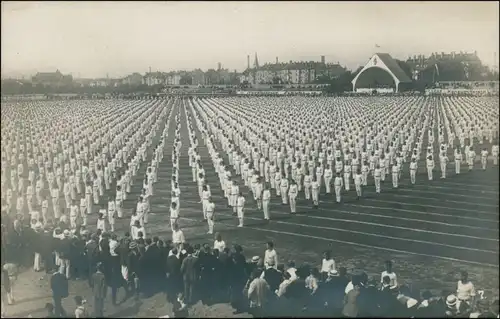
(354, 244)
(368, 223)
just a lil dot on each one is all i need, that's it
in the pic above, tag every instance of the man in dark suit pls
(273, 277)
(239, 276)
(190, 274)
(173, 270)
(152, 257)
(368, 300)
(224, 270)
(100, 289)
(206, 263)
(92, 254)
(59, 286)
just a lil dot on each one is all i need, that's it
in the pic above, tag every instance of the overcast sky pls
(91, 39)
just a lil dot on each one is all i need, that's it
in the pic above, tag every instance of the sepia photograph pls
(239, 159)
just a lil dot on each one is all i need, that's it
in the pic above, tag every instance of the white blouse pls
(219, 245)
(327, 265)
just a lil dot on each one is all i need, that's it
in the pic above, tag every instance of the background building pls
(438, 67)
(292, 72)
(52, 79)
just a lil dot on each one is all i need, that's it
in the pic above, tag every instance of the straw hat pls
(451, 301)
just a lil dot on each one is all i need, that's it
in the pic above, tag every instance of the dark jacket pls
(206, 263)
(173, 266)
(59, 285)
(273, 278)
(153, 258)
(297, 290)
(238, 269)
(91, 250)
(65, 248)
(123, 251)
(368, 302)
(133, 262)
(99, 285)
(77, 248)
(189, 268)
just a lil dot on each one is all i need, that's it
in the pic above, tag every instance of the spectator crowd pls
(215, 273)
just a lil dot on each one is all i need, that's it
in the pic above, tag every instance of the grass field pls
(431, 230)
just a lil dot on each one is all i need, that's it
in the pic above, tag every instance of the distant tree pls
(341, 83)
(186, 80)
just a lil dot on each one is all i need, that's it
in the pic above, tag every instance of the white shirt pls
(327, 265)
(174, 213)
(241, 201)
(349, 287)
(292, 272)
(465, 290)
(271, 258)
(219, 245)
(135, 232)
(113, 244)
(394, 280)
(178, 237)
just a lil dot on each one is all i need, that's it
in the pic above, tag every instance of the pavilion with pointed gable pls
(390, 67)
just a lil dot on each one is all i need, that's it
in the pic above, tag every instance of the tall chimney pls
(323, 59)
(248, 61)
(276, 60)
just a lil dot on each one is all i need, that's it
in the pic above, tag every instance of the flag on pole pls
(377, 46)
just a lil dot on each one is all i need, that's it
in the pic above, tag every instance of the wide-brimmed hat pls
(451, 300)
(333, 272)
(255, 259)
(66, 233)
(411, 302)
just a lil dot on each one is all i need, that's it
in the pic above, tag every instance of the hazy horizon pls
(93, 39)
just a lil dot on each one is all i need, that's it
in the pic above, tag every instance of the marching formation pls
(292, 146)
(90, 164)
(71, 163)
(260, 146)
